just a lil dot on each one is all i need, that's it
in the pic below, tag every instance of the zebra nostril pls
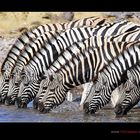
(118, 110)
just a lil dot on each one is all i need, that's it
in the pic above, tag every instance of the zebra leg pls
(69, 96)
(115, 96)
(87, 88)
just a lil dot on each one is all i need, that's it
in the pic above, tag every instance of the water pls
(67, 112)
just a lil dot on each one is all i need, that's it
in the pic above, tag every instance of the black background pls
(68, 130)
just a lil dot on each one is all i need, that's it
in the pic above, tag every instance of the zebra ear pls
(101, 79)
(42, 76)
(7, 68)
(131, 78)
(57, 77)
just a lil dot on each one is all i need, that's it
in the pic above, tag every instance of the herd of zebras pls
(46, 62)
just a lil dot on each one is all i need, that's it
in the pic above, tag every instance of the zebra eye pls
(44, 87)
(6, 80)
(26, 84)
(16, 84)
(97, 91)
(128, 91)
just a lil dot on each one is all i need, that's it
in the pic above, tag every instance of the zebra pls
(78, 71)
(24, 58)
(111, 77)
(44, 31)
(31, 35)
(130, 94)
(123, 26)
(92, 40)
(26, 54)
(118, 26)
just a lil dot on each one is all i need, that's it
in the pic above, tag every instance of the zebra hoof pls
(35, 103)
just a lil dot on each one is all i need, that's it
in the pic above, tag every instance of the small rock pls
(67, 16)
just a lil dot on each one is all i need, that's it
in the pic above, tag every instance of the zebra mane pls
(57, 74)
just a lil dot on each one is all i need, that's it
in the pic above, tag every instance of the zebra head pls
(99, 95)
(54, 96)
(30, 89)
(27, 93)
(129, 96)
(4, 82)
(27, 79)
(43, 87)
(14, 84)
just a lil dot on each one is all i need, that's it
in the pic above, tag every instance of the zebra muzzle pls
(41, 107)
(9, 101)
(35, 103)
(86, 107)
(120, 110)
(20, 104)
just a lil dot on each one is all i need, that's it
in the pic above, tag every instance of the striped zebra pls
(79, 70)
(130, 95)
(105, 42)
(31, 90)
(26, 55)
(43, 33)
(30, 36)
(23, 59)
(111, 77)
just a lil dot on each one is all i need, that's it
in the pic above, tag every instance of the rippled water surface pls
(67, 112)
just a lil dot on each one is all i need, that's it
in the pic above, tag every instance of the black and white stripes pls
(49, 60)
(111, 77)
